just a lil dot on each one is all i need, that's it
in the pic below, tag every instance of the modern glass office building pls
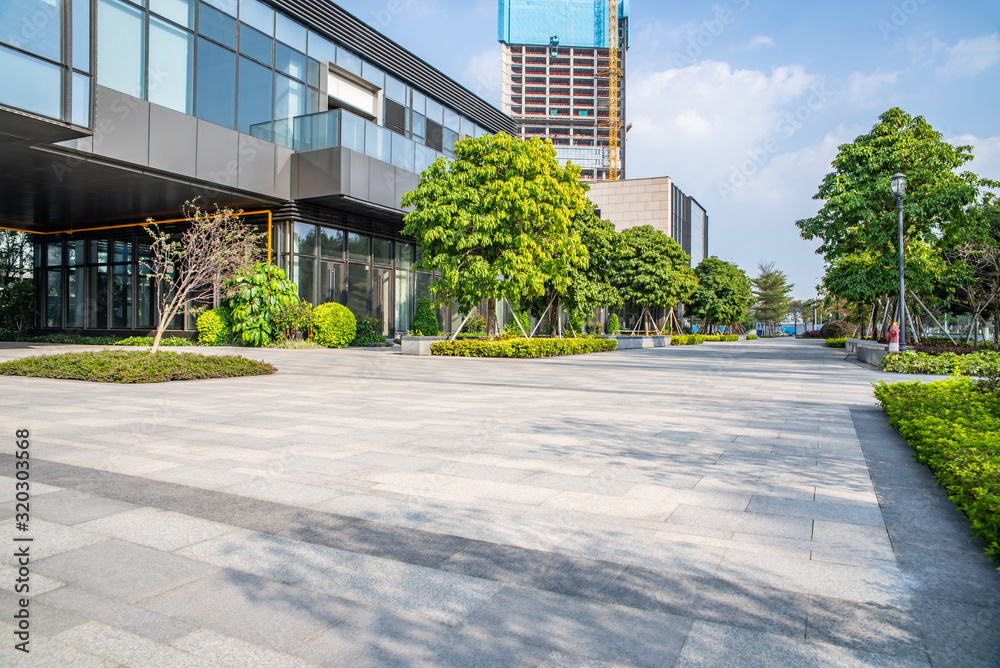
(116, 111)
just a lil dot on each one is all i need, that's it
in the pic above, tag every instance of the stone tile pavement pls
(721, 505)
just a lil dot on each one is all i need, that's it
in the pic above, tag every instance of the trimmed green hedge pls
(983, 363)
(954, 427)
(720, 337)
(521, 347)
(78, 340)
(752, 337)
(687, 340)
(134, 366)
(836, 343)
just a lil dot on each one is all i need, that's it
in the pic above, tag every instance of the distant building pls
(555, 77)
(657, 202)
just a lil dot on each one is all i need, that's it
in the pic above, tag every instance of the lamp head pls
(898, 185)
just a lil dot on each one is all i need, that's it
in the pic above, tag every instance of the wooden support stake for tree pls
(936, 322)
(464, 320)
(513, 313)
(544, 313)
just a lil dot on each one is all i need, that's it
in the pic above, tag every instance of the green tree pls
(723, 296)
(495, 222)
(590, 285)
(651, 270)
(857, 224)
(259, 295)
(770, 290)
(212, 249)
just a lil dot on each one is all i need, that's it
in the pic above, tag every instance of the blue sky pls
(744, 102)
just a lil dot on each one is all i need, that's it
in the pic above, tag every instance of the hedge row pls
(752, 337)
(687, 340)
(721, 337)
(134, 366)
(984, 363)
(521, 347)
(954, 427)
(836, 343)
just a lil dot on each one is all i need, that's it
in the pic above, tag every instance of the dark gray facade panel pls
(256, 164)
(358, 186)
(121, 127)
(405, 182)
(218, 152)
(283, 172)
(317, 174)
(382, 183)
(173, 141)
(365, 40)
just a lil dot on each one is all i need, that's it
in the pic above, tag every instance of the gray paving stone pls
(798, 528)
(128, 649)
(122, 570)
(47, 652)
(586, 628)
(372, 637)
(73, 507)
(717, 645)
(872, 628)
(227, 652)
(114, 612)
(959, 634)
(253, 609)
(851, 513)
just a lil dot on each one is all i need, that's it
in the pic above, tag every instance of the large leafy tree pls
(723, 296)
(590, 286)
(771, 291)
(857, 223)
(496, 222)
(651, 270)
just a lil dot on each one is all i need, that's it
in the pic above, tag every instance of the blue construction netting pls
(581, 23)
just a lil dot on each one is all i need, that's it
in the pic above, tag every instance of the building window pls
(171, 66)
(256, 45)
(254, 95)
(121, 47)
(357, 287)
(358, 247)
(180, 12)
(34, 26)
(30, 84)
(216, 25)
(216, 89)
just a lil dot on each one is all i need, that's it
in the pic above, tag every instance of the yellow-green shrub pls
(213, 327)
(521, 347)
(954, 427)
(333, 325)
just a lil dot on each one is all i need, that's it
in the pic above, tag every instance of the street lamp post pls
(898, 192)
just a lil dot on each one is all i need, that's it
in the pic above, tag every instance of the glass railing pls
(329, 129)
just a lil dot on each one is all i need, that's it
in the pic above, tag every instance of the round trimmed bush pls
(837, 329)
(333, 325)
(213, 327)
(613, 324)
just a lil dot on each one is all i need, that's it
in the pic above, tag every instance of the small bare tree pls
(214, 246)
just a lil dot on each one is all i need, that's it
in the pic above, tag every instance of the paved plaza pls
(740, 504)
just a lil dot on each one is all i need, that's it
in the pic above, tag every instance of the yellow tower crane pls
(614, 73)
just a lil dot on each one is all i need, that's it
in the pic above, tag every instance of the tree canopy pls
(496, 222)
(651, 269)
(857, 223)
(771, 291)
(723, 295)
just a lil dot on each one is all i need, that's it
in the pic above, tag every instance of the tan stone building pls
(656, 202)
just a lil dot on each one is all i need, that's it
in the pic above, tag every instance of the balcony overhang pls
(18, 127)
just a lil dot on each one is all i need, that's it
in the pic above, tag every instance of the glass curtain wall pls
(42, 71)
(371, 275)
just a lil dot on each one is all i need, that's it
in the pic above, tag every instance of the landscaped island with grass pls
(134, 366)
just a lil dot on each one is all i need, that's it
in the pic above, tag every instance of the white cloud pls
(760, 40)
(986, 150)
(732, 138)
(868, 90)
(483, 75)
(969, 57)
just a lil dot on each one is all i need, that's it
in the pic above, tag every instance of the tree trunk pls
(160, 327)
(554, 318)
(996, 326)
(491, 318)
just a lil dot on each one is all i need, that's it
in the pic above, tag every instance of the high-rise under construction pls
(564, 78)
